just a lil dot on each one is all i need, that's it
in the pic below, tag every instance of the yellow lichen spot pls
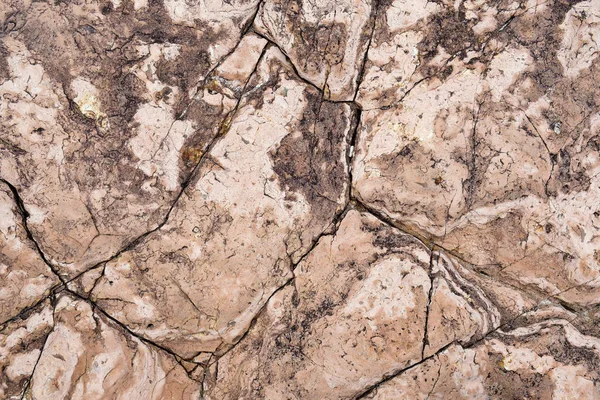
(212, 322)
(506, 363)
(191, 155)
(539, 228)
(398, 128)
(213, 86)
(420, 134)
(326, 91)
(90, 106)
(225, 125)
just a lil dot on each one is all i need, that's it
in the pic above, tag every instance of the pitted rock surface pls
(268, 199)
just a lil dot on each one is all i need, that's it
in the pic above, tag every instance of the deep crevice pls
(429, 297)
(360, 206)
(361, 72)
(351, 150)
(372, 389)
(28, 384)
(24, 217)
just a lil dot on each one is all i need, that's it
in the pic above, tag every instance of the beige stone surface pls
(330, 340)
(543, 356)
(25, 278)
(271, 186)
(89, 357)
(267, 199)
(107, 108)
(378, 314)
(486, 143)
(21, 343)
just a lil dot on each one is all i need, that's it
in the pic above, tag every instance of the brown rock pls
(25, 279)
(270, 187)
(332, 340)
(370, 320)
(469, 149)
(541, 360)
(100, 125)
(326, 40)
(87, 356)
(274, 199)
(21, 343)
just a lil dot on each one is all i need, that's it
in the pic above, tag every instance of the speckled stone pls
(267, 199)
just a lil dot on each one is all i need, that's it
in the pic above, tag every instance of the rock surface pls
(299, 200)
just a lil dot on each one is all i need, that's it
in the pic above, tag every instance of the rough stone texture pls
(87, 356)
(377, 314)
(21, 344)
(271, 186)
(486, 141)
(269, 199)
(325, 40)
(320, 341)
(543, 358)
(105, 112)
(24, 277)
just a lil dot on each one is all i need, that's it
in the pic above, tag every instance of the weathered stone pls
(471, 149)
(87, 356)
(25, 278)
(272, 184)
(100, 128)
(267, 199)
(550, 359)
(326, 40)
(331, 340)
(372, 318)
(21, 343)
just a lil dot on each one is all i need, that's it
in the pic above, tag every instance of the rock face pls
(271, 186)
(25, 277)
(486, 143)
(107, 108)
(299, 200)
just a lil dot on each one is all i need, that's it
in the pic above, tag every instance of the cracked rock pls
(21, 344)
(330, 341)
(484, 143)
(272, 184)
(325, 40)
(268, 199)
(88, 356)
(535, 360)
(107, 107)
(25, 279)
(373, 317)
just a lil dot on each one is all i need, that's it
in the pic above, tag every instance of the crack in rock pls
(293, 199)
